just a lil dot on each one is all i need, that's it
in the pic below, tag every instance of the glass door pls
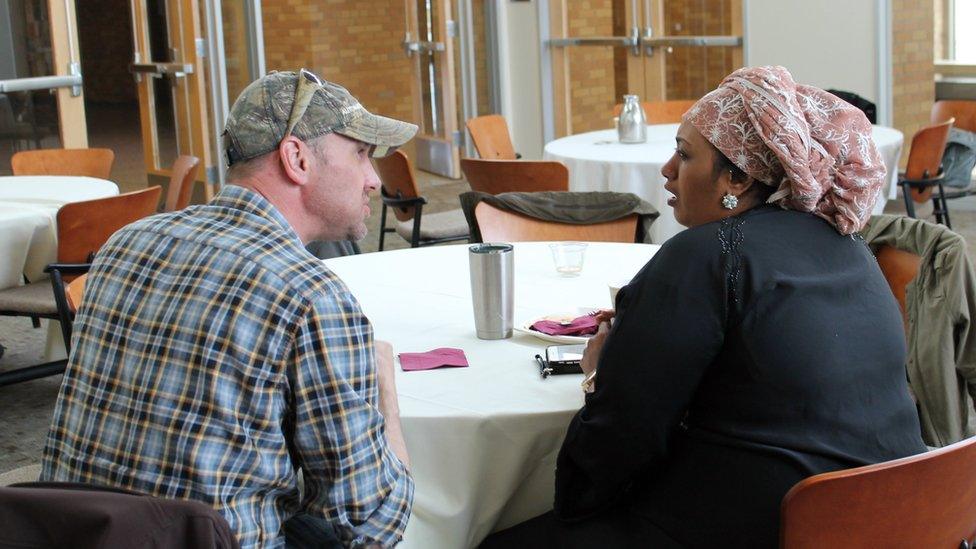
(168, 64)
(658, 50)
(429, 42)
(41, 99)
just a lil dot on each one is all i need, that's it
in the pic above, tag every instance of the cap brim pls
(385, 134)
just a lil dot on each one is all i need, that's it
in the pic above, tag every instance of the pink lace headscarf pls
(816, 149)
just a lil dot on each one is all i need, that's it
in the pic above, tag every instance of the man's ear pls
(295, 158)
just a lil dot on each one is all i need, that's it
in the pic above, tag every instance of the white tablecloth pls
(598, 162)
(28, 228)
(482, 439)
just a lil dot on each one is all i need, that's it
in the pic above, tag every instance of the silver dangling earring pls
(729, 201)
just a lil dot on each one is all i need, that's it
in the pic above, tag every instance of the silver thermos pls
(632, 124)
(492, 289)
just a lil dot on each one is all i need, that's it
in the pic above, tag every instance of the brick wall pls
(356, 44)
(591, 69)
(235, 47)
(694, 71)
(913, 66)
(482, 75)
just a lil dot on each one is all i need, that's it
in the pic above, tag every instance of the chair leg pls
(906, 192)
(64, 312)
(28, 373)
(382, 226)
(35, 321)
(415, 237)
(945, 206)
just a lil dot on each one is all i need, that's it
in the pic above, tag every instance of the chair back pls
(183, 176)
(963, 111)
(87, 162)
(396, 174)
(899, 268)
(498, 225)
(503, 176)
(661, 112)
(74, 291)
(925, 156)
(491, 138)
(60, 514)
(926, 500)
(84, 226)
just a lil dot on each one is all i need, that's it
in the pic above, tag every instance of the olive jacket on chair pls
(941, 308)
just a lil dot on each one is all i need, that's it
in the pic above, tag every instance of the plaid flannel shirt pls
(213, 356)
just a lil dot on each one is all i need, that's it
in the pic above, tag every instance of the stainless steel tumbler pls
(492, 289)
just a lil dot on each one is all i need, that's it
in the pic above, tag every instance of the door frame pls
(190, 98)
(438, 153)
(555, 86)
(67, 81)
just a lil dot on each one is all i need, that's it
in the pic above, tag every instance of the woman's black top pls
(746, 355)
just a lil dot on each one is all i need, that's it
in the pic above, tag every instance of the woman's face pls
(691, 176)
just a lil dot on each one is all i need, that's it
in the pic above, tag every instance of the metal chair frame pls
(417, 203)
(64, 315)
(939, 206)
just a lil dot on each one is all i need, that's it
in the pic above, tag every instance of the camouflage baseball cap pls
(303, 105)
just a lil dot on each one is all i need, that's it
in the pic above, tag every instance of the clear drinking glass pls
(568, 257)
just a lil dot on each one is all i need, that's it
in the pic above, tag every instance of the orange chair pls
(491, 138)
(399, 192)
(82, 228)
(925, 500)
(181, 182)
(498, 225)
(899, 268)
(502, 176)
(963, 112)
(87, 162)
(924, 171)
(662, 112)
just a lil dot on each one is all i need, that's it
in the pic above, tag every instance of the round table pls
(483, 439)
(597, 161)
(29, 207)
(28, 222)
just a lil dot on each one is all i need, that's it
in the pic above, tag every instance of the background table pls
(598, 162)
(482, 439)
(28, 229)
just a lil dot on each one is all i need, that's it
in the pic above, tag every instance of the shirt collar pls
(246, 200)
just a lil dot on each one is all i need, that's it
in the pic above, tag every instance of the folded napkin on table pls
(435, 358)
(579, 326)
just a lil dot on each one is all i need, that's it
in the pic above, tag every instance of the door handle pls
(649, 41)
(159, 70)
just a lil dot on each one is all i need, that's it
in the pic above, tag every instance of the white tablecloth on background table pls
(28, 228)
(598, 162)
(482, 439)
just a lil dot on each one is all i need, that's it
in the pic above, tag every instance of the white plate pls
(526, 328)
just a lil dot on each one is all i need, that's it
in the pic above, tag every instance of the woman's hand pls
(593, 346)
(604, 315)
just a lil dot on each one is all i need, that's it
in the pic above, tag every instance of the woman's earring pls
(730, 201)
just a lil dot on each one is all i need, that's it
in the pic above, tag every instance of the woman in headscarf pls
(758, 347)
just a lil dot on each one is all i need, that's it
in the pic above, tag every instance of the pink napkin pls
(435, 358)
(579, 326)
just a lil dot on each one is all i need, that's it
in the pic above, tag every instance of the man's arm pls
(353, 477)
(389, 405)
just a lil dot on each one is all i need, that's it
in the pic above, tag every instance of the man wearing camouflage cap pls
(214, 357)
